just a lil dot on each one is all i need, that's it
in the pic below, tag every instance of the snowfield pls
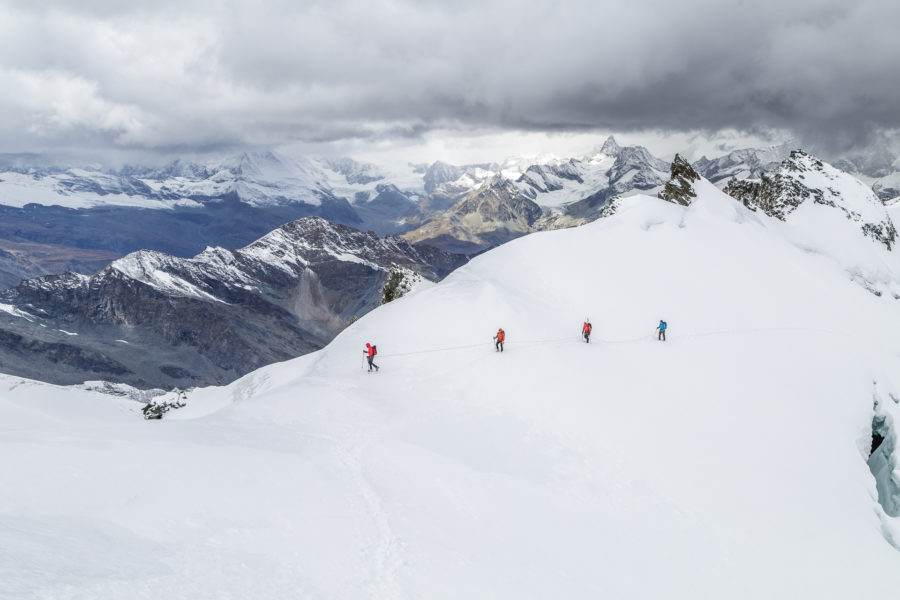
(727, 462)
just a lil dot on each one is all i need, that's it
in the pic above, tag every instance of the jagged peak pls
(610, 147)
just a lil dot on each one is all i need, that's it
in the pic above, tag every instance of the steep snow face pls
(726, 462)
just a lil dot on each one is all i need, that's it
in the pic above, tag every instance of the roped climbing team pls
(500, 338)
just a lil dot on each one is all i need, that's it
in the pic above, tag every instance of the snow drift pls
(729, 461)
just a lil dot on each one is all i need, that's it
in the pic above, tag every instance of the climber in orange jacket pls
(499, 339)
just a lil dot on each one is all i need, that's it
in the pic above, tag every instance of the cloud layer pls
(192, 75)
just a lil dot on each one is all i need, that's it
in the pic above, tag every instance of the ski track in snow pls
(386, 552)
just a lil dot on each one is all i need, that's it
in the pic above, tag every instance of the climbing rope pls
(616, 342)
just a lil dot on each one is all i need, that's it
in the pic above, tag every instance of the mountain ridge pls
(152, 319)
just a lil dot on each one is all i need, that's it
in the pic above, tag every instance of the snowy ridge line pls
(629, 340)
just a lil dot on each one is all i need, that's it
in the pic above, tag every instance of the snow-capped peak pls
(610, 147)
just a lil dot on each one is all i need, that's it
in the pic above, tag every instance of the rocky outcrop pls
(678, 189)
(154, 320)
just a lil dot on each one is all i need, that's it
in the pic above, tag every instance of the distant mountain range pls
(155, 320)
(93, 215)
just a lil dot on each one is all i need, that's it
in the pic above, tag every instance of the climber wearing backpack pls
(586, 331)
(370, 353)
(499, 339)
(662, 330)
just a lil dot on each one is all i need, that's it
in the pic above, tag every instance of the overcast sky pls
(452, 80)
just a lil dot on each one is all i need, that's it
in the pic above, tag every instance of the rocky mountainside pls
(490, 215)
(802, 178)
(154, 320)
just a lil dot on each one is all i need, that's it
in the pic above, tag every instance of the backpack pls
(374, 350)
(662, 325)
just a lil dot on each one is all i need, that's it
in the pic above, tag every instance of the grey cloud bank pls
(190, 76)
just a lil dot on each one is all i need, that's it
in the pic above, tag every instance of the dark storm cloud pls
(202, 74)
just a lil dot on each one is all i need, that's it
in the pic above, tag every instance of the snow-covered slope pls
(727, 462)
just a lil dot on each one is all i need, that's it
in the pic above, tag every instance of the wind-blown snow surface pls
(727, 462)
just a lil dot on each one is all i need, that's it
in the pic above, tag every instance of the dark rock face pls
(678, 189)
(155, 320)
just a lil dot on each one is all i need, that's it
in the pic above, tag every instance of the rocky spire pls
(678, 189)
